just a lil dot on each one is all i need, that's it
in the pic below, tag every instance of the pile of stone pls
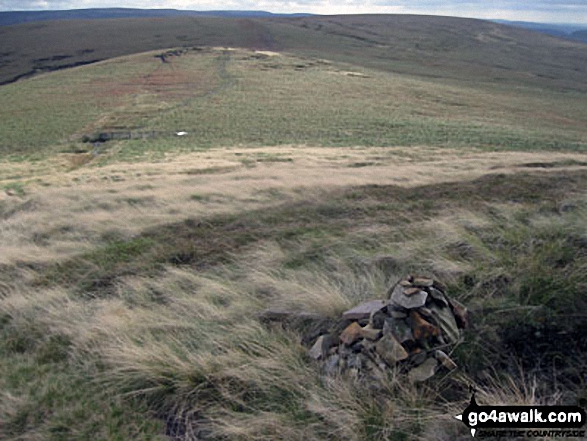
(413, 330)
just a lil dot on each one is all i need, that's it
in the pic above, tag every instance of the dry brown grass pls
(187, 342)
(200, 353)
(122, 200)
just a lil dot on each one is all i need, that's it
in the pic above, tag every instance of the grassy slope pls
(220, 98)
(439, 47)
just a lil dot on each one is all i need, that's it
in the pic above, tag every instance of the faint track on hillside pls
(225, 81)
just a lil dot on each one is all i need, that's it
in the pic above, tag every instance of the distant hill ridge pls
(580, 35)
(568, 31)
(454, 49)
(18, 17)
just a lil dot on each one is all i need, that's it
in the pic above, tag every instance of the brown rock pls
(461, 313)
(340, 326)
(370, 333)
(422, 282)
(421, 328)
(424, 371)
(351, 334)
(411, 291)
(405, 283)
(364, 310)
(445, 360)
(390, 350)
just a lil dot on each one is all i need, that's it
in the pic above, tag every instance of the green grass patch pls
(221, 99)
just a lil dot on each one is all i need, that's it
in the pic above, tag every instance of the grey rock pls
(424, 371)
(310, 325)
(317, 351)
(396, 290)
(331, 365)
(390, 350)
(445, 320)
(322, 347)
(377, 319)
(364, 310)
(438, 296)
(425, 311)
(370, 333)
(398, 313)
(417, 300)
(399, 329)
(417, 358)
(445, 360)
(282, 315)
(354, 361)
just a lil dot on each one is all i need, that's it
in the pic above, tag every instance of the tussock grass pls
(180, 346)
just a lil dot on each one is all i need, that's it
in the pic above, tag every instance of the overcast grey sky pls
(554, 11)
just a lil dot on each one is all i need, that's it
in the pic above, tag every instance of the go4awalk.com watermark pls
(524, 421)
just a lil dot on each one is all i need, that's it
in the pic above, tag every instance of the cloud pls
(569, 11)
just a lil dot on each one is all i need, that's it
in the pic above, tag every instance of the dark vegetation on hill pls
(580, 35)
(555, 29)
(435, 47)
(17, 17)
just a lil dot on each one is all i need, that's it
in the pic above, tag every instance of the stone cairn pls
(413, 331)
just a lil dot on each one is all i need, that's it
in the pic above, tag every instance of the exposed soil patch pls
(555, 164)
(44, 69)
